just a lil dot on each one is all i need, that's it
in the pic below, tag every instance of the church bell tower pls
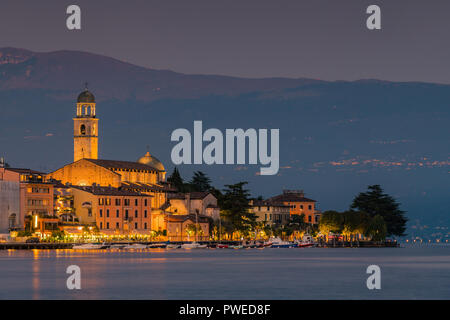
(85, 128)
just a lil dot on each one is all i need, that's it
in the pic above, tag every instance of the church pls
(113, 194)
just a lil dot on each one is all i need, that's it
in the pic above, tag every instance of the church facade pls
(118, 196)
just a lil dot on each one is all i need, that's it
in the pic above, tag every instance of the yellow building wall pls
(85, 145)
(85, 173)
(81, 211)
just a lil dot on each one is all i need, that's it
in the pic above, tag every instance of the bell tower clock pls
(85, 128)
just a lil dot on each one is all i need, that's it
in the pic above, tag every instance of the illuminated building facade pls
(298, 204)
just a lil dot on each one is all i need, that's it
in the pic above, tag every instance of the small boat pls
(173, 246)
(278, 243)
(222, 246)
(193, 245)
(238, 246)
(307, 241)
(90, 246)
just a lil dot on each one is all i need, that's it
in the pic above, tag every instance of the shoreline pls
(210, 244)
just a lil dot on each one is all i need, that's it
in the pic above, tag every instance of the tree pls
(374, 202)
(200, 182)
(234, 208)
(331, 221)
(176, 180)
(377, 228)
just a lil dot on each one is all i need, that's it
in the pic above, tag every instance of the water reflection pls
(225, 274)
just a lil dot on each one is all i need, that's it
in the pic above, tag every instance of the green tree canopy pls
(234, 207)
(331, 221)
(374, 202)
(200, 182)
(377, 228)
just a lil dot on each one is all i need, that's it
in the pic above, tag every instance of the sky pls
(320, 39)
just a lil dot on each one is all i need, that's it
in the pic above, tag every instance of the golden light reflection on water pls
(35, 280)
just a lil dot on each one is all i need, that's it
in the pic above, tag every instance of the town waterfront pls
(409, 272)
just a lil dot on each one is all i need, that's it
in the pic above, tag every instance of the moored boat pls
(173, 246)
(278, 243)
(135, 246)
(90, 246)
(194, 245)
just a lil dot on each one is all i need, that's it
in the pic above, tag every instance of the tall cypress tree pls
(176, 180)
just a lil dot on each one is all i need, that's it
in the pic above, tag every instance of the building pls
(10, 215)
(35, 197)
(85, 128)
(115, 195)
(298, 204)
(115, 210)
(191, 203)
(270, 212)
(183, 228)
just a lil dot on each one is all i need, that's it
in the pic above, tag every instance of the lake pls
(411, 272)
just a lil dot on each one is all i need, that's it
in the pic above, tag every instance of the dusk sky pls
(323, 39)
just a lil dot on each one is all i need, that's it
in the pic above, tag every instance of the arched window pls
(12, 220)
(83, 129)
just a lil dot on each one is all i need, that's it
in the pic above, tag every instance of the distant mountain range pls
(336, 137)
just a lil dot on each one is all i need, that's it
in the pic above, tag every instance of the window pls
(117, 225)
(145, 225)
(83, 129)
(117, 202)
(100, 201)
(145, 202)
(309, 219)
(117, 213)
(101, 225)
(316, 219)
(107, 225)
(145, 213)
(135, 213)
(135, 225)
(309, 207)
(135, 202)
(126, 202)
(107, 213)
(126, 214)
(301, 206)
(108, 201)
(101, 213)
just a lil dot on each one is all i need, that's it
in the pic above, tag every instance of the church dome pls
(151, 161)
(86, 97)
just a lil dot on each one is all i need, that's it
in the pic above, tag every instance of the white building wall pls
(9, 204)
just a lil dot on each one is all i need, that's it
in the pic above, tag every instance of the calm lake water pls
(421, 272)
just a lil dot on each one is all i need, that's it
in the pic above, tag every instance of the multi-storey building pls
(298, 204)
(270, 212)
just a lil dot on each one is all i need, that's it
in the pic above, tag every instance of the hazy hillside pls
(336, 137)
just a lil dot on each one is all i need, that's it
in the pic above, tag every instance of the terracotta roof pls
(290, 197)
(110, 191)
(24, 171)
(144, 186)
(193, 195)
(116, 164)
(263, 203)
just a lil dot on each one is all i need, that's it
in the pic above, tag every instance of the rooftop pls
(122, 165)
